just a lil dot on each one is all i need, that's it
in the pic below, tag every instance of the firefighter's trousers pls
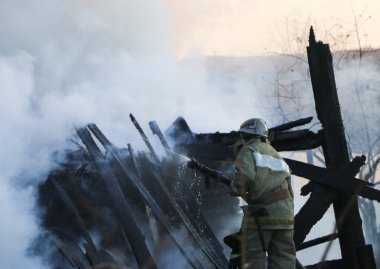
(279, 245)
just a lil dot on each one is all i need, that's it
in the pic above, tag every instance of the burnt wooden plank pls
(144, 137)
(119, 204)
(335, 149)
(317, 241)
(192, 256)
(187, 207)
(71, 251)
(292, 124)
(157, 131)
(340, 180)
(91, 250)
(281, 138)
(333, 264)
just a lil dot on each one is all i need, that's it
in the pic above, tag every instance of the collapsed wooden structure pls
(145, 210)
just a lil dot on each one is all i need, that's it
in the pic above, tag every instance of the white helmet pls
(255, 126)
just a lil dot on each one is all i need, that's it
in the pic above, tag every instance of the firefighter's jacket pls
(261, 172)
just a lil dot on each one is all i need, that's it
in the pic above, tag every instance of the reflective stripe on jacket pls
(260, 170)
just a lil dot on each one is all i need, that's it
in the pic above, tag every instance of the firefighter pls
(262, 179)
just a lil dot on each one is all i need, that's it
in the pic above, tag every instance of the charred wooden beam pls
(119, 203)
(335, 150)
(281, 138)
(294, 140)
(341, 180)
(333, 264)
(141, 191)
(157, 131)
(317, 241)
(145, 138)
(94, 255)
(192, 256)
(71, 251)
(292, 124)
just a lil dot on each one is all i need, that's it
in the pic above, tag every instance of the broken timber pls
(119, 202)
(196, 257)
(335, 150)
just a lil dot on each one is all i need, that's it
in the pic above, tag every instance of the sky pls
(246, 27)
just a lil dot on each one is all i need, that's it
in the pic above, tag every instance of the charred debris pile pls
(110, 207)
(113, 206)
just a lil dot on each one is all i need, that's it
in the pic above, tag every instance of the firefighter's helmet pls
(255, 126)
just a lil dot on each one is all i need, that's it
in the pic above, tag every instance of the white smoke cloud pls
(17, 228)
(67, 63)
(64, 63)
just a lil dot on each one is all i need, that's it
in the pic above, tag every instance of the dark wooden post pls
(352, 244)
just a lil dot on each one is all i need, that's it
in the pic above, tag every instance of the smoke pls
(67, 63)
(358, 85)
(17, 228)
